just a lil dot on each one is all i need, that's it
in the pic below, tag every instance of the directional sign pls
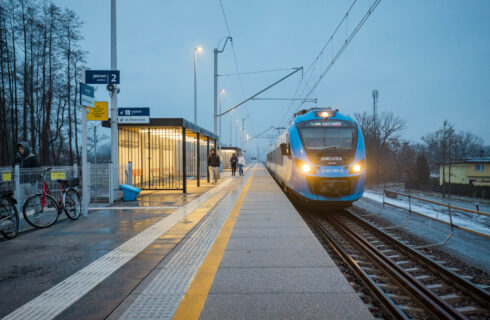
(98, 112)
(133, 115)
(86, 95)
(102, 76)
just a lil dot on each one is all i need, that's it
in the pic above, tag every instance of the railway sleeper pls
(451, 297)
(412, 309)
(386, 250)
(394, 256)
(471, 309)
(435, 285)
(399, 296)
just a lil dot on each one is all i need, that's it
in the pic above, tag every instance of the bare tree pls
(40, 62)
(381, 132)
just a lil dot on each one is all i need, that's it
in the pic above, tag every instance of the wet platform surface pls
(235, 251)
(275, 268)
(271, 267)
(38, 259)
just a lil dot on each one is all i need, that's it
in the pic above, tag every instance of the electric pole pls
(114, 140)
(216, 51)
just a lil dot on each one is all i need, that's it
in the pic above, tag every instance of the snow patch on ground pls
(462, 219)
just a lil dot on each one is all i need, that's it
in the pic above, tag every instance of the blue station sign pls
(86, 95)
(102, 76)
(133, 115)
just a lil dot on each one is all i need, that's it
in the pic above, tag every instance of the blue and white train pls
(321, 158)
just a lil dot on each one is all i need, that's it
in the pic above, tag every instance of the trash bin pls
(130, 193)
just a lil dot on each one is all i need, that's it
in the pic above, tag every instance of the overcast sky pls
(428, 59)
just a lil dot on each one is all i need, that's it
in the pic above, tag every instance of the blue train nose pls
(329, 187)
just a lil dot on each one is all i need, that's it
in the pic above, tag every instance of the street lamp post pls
(215, 92)
(220, 138)
(196, 50)
(231, 119)
(236, 132)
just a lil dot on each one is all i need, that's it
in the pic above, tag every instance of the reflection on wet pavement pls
(38, 259)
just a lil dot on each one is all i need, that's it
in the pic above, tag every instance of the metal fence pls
(28, 181)
(406, 202)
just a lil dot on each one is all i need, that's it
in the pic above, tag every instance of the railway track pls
(404, 282)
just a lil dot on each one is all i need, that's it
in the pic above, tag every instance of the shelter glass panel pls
(156, 156)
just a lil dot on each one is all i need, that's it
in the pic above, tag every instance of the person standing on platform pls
(213, 163)
(241, 163)
(233, 162)
(28, 162)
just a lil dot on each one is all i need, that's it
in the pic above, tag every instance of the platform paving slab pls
(282, 306)
(39, 259)
(275, 268)
(289, 257)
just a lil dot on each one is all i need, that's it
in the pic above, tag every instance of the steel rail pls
(432, 303)
(387, 303)
(476, 293)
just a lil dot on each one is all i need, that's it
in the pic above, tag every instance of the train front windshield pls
(328, 135)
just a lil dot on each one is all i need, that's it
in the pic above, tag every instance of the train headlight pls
(306, 168)
(356, 168)
(325, 114)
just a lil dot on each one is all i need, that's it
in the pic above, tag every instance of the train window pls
(321, 138)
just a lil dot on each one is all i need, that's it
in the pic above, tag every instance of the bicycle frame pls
(46, 191)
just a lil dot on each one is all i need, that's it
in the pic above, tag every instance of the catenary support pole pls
(85, 171)
(207, 154)
(215, 117)
(198, 156)
(95, 164)
(114, 139)
(215, 92)
(184, 162)
(220, 136)
(195, 87)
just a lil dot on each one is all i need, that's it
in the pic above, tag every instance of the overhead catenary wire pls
(261, 91)
(342, 48)
(254, 72)
(310, 71)
(234, 53)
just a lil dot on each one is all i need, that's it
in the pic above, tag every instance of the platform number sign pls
(102, 76)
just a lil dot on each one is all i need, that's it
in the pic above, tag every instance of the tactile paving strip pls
(55, 300)
(161, 298)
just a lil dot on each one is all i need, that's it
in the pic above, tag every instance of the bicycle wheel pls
(9, 218)
(72, 205)
(40, 216)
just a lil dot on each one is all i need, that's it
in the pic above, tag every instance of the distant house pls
(474, 171)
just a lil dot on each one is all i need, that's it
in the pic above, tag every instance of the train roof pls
(318, 113)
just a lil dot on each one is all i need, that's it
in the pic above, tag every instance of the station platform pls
(238, 251)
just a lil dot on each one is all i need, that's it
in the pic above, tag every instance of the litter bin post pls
(130, 173)
(111, 184)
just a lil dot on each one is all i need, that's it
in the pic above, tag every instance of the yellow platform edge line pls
(191, 305)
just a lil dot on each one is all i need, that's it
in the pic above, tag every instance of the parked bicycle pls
(9, 217)
(42, 209)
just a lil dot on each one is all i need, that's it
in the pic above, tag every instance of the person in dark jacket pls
(25, 158)
(213, 163)
(233, 162)
(27, 161)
